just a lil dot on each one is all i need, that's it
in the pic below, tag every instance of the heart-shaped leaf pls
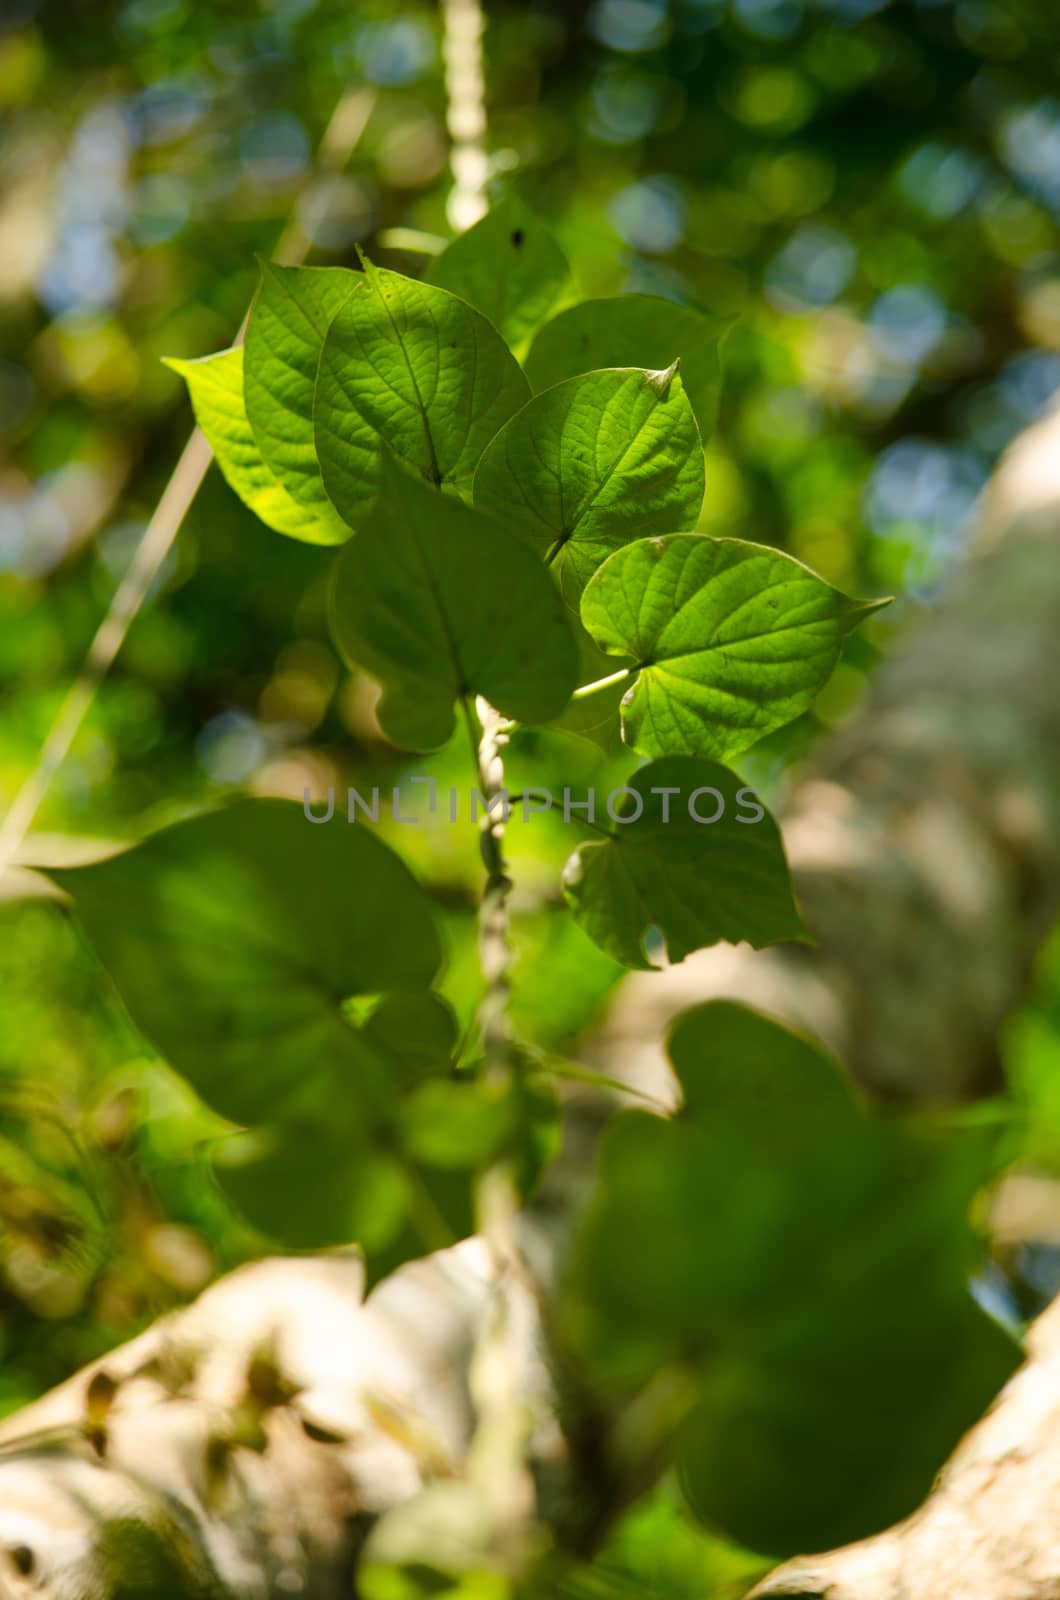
(215, 384)
(414, 369)
(633, 330)
(593, 463)
(509, 267)
(291, 316)
(806, 1263)
(438, 601)
(234, 938)
(731, 639)
(691, 853)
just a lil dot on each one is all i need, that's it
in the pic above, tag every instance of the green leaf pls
(633, 330)
(215, 384)
(292, 313)
(438, 601)
(307, 1188)
(417, 370)
(509, 267)
(731, 639)
(234, 938)
(807, 1264)
(698, 882)
(415, 1032)
(465, 1124)
(457, 1125)
(593, 463)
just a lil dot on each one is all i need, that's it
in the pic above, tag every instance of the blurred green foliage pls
(869, 189)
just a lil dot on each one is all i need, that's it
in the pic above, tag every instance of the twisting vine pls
(465, 88)
(489, 733)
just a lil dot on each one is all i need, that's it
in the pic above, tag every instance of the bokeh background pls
(868, 190)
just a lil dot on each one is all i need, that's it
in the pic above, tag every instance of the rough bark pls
(249, 1441)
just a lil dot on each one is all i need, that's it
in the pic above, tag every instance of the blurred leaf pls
(215, 384)
(509, 267)
(438, 601)
(313, 1189)
(593, 463)
(633, 330)
(413, 368)
(233, 939)
(658, 1552)
(291, 316)
(464, 1124)
(560, 982)
(455, 1125)
(731, 640)
(696, 881)
(415, 1031)
(809, 1262)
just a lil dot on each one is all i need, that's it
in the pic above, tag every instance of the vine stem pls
(465, 91)
(497, 1462)
(340, 139)
(489, 734)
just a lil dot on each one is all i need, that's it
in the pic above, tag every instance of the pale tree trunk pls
(250, 1441)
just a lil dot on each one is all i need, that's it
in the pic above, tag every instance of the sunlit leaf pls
(594, 463)
(731, 639)
(215, 384)
(414, 369)
(292, 313)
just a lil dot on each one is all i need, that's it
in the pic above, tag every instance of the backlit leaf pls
(732, 640)
(215, 384)
(594, 463)
(414, 369)
(292, 312)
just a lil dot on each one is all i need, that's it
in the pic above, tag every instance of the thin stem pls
(605, 833)
(601, 683)
(494, 944)
(465, 88)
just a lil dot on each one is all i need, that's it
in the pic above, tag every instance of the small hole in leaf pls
(517, 238)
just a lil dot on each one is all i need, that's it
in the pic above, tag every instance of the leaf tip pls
(660, 381)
